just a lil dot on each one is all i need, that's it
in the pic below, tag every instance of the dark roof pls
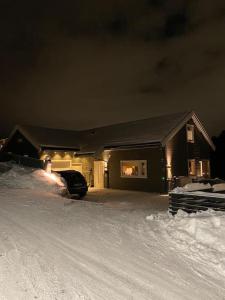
(146, 131)
(49, 137)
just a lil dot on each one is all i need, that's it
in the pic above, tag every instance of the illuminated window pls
(206, 168)
(203, 168)
(133, 168)
(190, 133)
(191, 167)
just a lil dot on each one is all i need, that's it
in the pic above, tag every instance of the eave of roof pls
(109, 137)
(191, 115)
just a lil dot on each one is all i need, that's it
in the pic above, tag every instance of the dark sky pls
(84, 63)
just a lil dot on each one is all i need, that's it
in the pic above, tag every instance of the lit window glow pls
(133, 168)
(192, 167)
(55, 178)
(190, 133)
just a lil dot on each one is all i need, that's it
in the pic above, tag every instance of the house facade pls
(142, 155)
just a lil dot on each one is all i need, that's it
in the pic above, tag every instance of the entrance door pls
(99, 174)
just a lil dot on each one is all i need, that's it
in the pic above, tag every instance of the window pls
(200, 169)
(190, 133)
(191, 167)
(133, 168)
(203, 168)
(206, 168)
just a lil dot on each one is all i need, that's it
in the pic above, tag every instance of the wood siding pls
(177, 154)
(200, 149)
(179, 151)
(21, 146)
(155, 171)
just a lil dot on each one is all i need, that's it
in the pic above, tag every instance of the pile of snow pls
(200, 237)
(219, 187)
(191, 187)
(4, 167)
(18, 177)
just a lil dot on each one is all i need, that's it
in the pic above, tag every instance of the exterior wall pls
(87, 167)
(86, 161)
(200, 149)
(179, 151)
(177, 154)
(155, 171)
(21, 146)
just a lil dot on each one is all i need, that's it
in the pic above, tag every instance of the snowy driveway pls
(128, 200)
(52, 249)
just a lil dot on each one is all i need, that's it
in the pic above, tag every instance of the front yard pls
(112, 245)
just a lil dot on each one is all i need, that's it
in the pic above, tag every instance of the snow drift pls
(200, 237)
(192, 187)
(18, 177)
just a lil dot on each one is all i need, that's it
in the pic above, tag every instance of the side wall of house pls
(155, 181)
(200, 149)
(177, 154)
(179, 151)
(21, 146)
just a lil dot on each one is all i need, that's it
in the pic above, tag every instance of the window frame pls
(192, 127)
(195, 171)
(138, 162)
(204, 168)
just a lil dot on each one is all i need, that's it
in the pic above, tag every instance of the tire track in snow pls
(115, 280)
(42, 280)
(118, 283)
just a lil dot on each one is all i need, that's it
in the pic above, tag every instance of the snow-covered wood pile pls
(197, 197)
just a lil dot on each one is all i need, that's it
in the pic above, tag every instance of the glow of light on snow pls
(54, 178)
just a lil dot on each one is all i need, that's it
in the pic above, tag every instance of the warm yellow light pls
(169, 172)
(106, 155)
(128, 171)
(169, 164)
(54, 178)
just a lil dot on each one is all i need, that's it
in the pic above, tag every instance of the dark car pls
(76, 183)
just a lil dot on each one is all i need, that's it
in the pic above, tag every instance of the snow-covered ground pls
(52, 248)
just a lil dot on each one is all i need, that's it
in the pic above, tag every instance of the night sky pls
(84, 63)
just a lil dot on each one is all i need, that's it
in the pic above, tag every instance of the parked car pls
(75, 181)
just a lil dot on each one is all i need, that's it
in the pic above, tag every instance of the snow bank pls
(19, 177)
(219, 187)
(191, 187)
(4, 167)
(200, 237)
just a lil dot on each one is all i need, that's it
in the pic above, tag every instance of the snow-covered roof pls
(158, 129)
(42, 137)
(153, 130)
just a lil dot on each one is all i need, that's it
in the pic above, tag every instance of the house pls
(140, 155)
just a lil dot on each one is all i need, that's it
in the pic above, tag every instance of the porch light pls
(169, 172)
(169, 164)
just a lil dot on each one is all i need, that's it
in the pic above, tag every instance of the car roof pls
(69, 172)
